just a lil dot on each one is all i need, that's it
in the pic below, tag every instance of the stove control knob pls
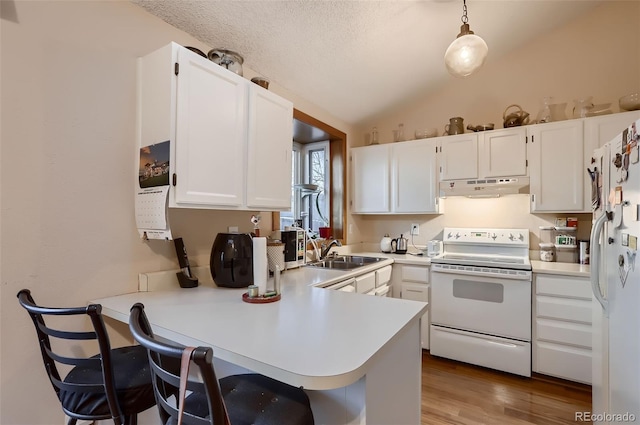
(449, 235)
(457, 235)
(494, 236)
(521, 237)
(511, 237)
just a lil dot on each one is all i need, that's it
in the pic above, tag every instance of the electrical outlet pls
(415, 229)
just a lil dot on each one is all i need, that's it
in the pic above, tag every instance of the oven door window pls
(480, 291)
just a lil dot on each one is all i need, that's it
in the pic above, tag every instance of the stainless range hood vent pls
(485, 188)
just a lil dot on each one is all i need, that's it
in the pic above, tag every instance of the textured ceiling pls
(357, 59)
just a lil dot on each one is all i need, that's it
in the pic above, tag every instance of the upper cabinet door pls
(459, 157)
(370, 172)
(269, 150)
(557, 173)
(503, 153)
(598, 131)
(210, 133)
(414, 177)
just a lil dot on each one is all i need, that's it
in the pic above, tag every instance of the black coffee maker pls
(231, 260)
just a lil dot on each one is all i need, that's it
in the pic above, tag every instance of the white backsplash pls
(510, 211)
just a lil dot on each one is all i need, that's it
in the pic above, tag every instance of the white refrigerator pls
(615, 278)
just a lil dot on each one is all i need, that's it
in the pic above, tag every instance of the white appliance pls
(615, 279)
(481, 294)
(434, 248)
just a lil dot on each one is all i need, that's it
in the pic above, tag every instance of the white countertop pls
(567, 269)
(312, 337)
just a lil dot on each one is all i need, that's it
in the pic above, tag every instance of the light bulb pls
(465, 54)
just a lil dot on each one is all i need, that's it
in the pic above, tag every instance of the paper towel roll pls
(260, 264)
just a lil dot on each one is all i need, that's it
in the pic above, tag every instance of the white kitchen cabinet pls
(370, 176)
(398, 178)
(458, 156)
(269, 150)
(598, 131)
(414, 175)
(213, 119)
(562, 327)
(556, 166)
(411, 282)
(488, 154)
(503, 153)
(366, 283)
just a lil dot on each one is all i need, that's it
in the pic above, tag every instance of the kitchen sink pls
(354, 259)
(344, 262)
(338, 265)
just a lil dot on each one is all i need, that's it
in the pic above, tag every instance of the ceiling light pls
(467, 52)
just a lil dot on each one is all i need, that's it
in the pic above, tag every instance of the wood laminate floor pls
(458, 393)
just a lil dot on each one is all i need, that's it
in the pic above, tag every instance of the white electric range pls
(481, 298)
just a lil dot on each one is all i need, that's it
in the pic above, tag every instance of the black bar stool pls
(113, 384)
(237, 399)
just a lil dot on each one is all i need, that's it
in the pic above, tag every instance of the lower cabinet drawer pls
(564, 362)
(365, 283)
(578, 334)
(415, 274)
(563, 286)
(483, 350)
(383, 276)
(564, 309)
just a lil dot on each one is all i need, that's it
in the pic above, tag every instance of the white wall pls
(68, 172)
(598, 54)
(509, 211)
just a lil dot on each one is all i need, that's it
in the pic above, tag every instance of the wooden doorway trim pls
(338, 176)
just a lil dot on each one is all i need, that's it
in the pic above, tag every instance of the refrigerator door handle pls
(594, 244)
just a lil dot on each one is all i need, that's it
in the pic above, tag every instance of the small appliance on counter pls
(231, 260)
(295, 245)
(385, 244)
(399, 245)
(434, 248)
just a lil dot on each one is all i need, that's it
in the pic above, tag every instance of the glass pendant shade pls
(466, 53)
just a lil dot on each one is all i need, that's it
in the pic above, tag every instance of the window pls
(310, 186)
(307, 130)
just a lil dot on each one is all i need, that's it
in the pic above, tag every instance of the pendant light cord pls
(464, 18)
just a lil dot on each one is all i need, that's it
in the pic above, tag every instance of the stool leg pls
(131, 420)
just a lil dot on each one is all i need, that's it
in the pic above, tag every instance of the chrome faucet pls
(326, 250)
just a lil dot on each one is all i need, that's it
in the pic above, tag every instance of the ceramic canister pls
(385, 244)
(275, 255)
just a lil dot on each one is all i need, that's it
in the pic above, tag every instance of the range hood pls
(485, 188)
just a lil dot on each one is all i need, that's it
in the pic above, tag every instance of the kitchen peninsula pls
(358, 357)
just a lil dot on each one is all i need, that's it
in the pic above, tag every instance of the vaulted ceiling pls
(357, 59)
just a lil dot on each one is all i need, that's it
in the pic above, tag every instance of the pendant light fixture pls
(467, 52)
